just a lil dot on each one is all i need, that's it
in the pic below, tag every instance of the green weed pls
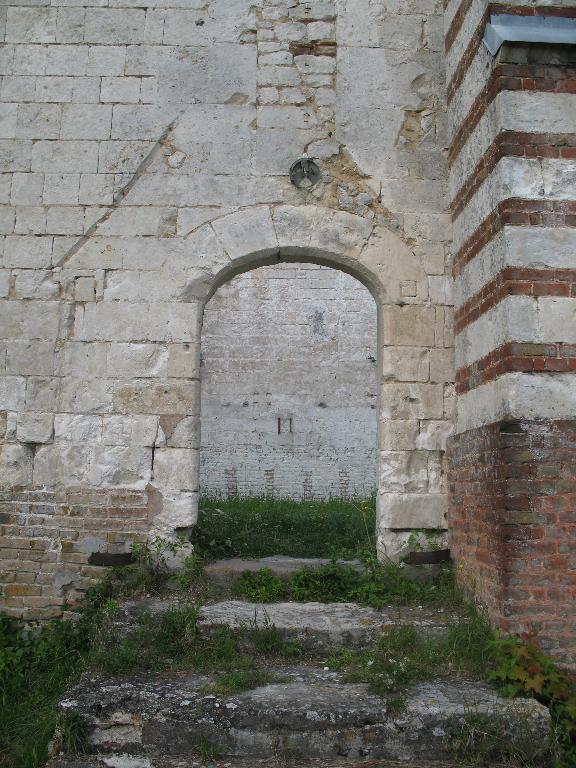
(258, 527)
(207, 750)
(376, 585)
(478, 739)
(240, 680)
(260, 586)
(73, 732)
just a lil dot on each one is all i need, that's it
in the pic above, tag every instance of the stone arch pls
(241, 241)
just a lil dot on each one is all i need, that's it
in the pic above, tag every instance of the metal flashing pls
(507, 27)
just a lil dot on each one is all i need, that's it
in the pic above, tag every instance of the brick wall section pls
(476, 39)
(48, 541)
(512, 77)
(513, 501)
(513, 144)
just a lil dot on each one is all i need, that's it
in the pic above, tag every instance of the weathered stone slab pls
(321, 626)
(311, 713)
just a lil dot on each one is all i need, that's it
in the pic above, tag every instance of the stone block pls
(183, 361)
(112, 466)
(29, 320)
(120, 89)
(35, 427)
(86, 395)
(137, 360)
(28, 252)
(411, 510)
(30, 357)
(175, 396)
(61, 188)
(114, 26)
(108, 60)
(184, 434)
(31, 25)
(176, 469)
(77, 428)
(433, 434)
(15, 465)
(65, 156)
(61, 465)
(66, 60)
(27, 189)
(442, 365)
(408, 325)
(12, 393)
(85, 289)
(87, 360)
(412, 401)
(86, 121)
(403, 471)
(246, 232)
(8, 121)
(405, 364)
(398, 435)
(70, 25)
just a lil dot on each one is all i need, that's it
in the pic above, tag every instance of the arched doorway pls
(289, 385)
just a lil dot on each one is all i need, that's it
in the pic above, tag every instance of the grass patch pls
(241, 680)
(260, 586)
(404, 655)
(259, 527)
(169, 641)
(377, 585)
(478, 739)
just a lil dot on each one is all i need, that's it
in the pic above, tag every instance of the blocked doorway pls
(289, 385)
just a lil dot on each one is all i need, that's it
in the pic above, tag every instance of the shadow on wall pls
(289, 385)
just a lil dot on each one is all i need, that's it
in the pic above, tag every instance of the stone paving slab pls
(310, 713)
(320, 626)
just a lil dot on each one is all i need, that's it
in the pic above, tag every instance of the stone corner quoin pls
(144, 163)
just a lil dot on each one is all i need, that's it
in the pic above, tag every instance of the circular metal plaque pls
(305, 173)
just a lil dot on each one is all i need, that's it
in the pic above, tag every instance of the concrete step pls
(321, 626)
(311, 713)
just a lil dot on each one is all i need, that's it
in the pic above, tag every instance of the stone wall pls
(289, 385)
(513, 479)
(144, 157)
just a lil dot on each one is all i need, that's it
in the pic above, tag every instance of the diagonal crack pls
(120, 195)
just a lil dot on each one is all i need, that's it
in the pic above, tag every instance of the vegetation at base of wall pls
(375, 584)
(38, 664)
(260, 527)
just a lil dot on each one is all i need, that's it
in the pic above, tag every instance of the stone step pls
(223, 573)
(321, 626)
(123, 760)
(310, 713)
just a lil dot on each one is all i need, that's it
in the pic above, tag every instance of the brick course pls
(515, 281)
(560, 146)
(515, 212)
(525, 357)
